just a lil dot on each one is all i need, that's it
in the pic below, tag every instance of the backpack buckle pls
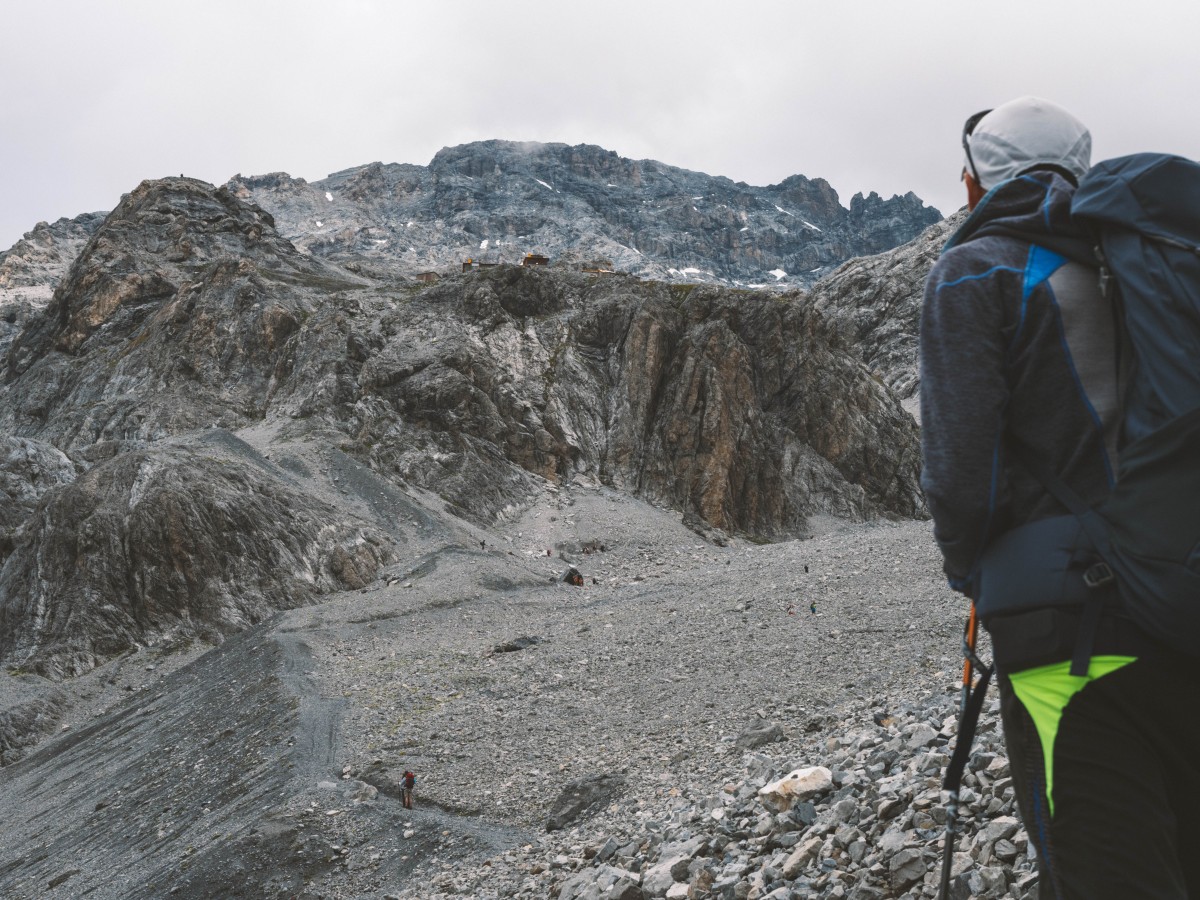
(1098, 575)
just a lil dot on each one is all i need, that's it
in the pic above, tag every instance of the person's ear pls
(974, 192)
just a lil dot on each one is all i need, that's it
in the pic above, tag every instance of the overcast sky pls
(97, 95)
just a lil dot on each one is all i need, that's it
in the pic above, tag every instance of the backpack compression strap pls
(1101, 575)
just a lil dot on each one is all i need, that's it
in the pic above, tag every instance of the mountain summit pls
(498, 200)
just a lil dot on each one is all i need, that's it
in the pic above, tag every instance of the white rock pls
(800, 784)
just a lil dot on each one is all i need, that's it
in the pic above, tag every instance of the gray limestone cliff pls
(32, 268)
(874, 303)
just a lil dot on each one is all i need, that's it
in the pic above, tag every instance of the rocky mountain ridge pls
(497, 200)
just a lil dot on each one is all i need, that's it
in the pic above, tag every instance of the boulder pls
(580, 796)
(799, 784)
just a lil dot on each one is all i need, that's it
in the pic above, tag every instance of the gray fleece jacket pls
(1017, 351)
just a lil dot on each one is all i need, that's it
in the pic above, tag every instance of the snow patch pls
(778, 273)
(747, 228)
(543, 184)
(320, 224)
(329, 196)
(811, 225)
(483, 245)
(785, 212)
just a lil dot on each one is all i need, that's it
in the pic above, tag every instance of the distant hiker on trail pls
(483, 545)
(812, 607)
(1021, 409)
(406, 788)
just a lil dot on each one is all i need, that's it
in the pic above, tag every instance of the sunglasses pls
(968, 130)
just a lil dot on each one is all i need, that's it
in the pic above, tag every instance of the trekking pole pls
(970, 704)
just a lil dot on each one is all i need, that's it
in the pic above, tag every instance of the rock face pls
(167, 543)
(28, 469)
(174, 316)
(43, 255)
(738, 407)
(32, 268)
(875, 303)
(497, 200)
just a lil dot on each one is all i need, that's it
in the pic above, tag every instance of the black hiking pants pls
(1125, 775)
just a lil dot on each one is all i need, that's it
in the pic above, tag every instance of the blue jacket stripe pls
(990, 272)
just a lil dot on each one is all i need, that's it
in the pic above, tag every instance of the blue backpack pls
(1143, 212)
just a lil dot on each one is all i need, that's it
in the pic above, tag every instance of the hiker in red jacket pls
(406, 788)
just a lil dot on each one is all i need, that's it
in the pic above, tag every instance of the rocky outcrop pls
(43, 255)
(169, 542)
(28, 469)
(875, 305)
(32, 268)
(188, 310)
(24, 724)
(175, 316)
(742, 408)
(497, 200)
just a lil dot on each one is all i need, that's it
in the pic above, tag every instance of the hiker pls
(406, 788)
(1020, 390)
(812, 607)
